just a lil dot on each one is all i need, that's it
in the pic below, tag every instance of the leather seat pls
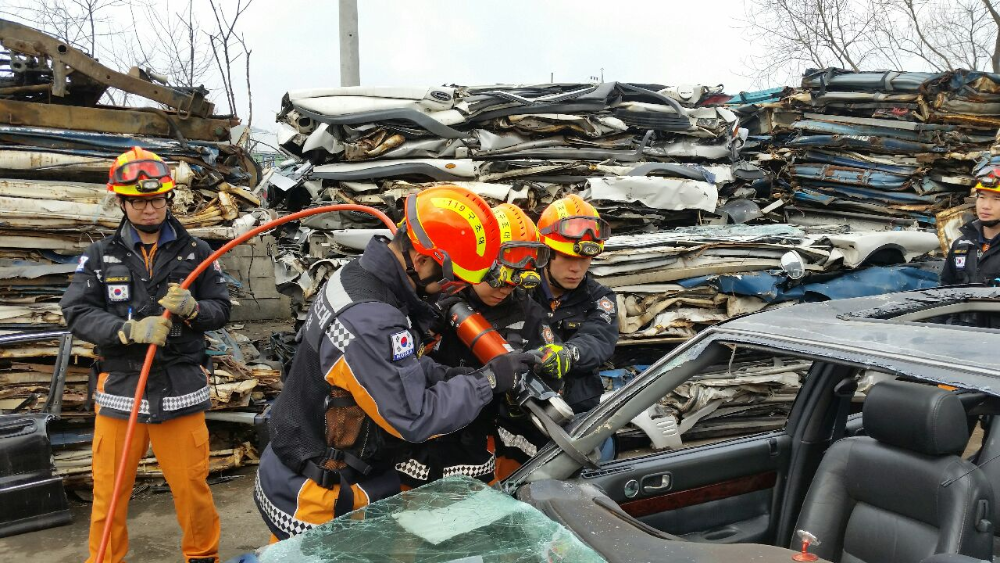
(902, 493)
(988, 460)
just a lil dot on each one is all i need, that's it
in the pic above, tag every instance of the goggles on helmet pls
(502, 276)
(523, 254)
(989, 181)
(578, 226)
(147, 175)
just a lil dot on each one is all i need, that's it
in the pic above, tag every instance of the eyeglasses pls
(139, 203)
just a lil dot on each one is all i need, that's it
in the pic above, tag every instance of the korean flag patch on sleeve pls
(402, 345)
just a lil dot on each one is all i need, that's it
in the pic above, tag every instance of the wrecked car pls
(893, 479)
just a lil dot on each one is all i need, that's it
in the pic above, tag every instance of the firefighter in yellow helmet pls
(583, 313)
(975, 256)
(121, 286)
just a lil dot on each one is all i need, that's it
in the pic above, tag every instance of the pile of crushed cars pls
(875, 149)
(721, 205)
(57, 143)
(655, 160)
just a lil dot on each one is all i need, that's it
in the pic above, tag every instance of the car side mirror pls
(793, 265)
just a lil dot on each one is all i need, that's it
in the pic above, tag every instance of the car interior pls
(892, 479)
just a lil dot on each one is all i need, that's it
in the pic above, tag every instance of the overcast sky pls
(426, 43)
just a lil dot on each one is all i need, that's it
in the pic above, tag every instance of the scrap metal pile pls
(56, 147)
(875, 149)
(670, 285)
(57, 143)
(649, 157)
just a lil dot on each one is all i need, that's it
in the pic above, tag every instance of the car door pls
(731, 489)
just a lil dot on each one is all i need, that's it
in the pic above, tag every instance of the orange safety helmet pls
(573, 227)
(455, 227)
(139, 173)
(521, 253)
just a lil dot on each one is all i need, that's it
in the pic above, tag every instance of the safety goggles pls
(579, 226)
(989, 181)
(523, 254)
(147, 175)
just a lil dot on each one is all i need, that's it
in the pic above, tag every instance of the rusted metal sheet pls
(128, 121)
(23, 39)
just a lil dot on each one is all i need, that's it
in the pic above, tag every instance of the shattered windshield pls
(457, 519)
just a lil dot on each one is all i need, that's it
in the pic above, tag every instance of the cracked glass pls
(453, 520)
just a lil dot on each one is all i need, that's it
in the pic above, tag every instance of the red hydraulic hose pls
(151, 351)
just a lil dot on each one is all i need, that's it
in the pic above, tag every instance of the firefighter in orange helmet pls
(502, 300)
(116, 298)
(358, 390)
(582, 312)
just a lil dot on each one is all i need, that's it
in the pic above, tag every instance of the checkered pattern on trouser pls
(339, 335)
(282, 520)
(119, 403)
(471, 470)
(414, 469)
(185, 401)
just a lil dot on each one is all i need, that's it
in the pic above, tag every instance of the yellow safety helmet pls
(139, 173)
(573, 227)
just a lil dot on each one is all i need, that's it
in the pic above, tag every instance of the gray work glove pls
(180, 302)
(150, 330)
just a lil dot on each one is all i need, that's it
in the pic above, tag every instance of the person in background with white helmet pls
(359, 390)
(582, 312)
(975, 256)
(502, 300)
(121, 286)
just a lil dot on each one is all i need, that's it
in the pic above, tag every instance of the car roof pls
(868, 331)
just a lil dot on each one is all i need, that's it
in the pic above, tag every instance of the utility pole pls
(350, 65)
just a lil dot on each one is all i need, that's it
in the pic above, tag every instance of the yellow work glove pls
(151, 330)
(557, 360)
(180, 302)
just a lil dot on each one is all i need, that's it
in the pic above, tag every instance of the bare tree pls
(228, 46)
(937, 35)
(186, 58)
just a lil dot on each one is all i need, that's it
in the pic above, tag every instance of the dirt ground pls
(154, 535)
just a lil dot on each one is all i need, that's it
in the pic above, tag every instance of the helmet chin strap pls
(552, 279)
(148, 228)
(411, 272)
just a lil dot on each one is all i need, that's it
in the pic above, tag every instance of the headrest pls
(916, 417)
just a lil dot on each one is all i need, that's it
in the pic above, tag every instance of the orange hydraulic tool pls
(477, 333)
(546, 408)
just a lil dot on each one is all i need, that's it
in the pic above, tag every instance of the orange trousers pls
(181, 448)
